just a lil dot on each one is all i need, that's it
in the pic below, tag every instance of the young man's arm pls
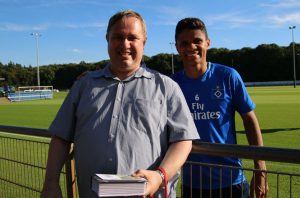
(172, 162)
(57, 154)
(254, 137)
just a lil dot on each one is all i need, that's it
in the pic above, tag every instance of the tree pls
(266, 62)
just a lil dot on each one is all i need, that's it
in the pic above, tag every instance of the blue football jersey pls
(213, 100)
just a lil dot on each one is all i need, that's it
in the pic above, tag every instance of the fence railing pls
(249, 152)
(283, 174)
(23, 156)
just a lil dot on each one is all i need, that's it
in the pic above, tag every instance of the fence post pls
(70, 175)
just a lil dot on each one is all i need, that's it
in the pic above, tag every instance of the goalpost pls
(32, 93)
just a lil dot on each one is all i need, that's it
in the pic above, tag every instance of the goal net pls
(31, 93)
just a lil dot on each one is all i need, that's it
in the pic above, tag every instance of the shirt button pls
(110, 159)
(115, 116)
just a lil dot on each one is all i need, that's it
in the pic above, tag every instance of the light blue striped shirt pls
(121, 126)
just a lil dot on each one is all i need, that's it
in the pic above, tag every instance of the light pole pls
(37, 35)
(294, 61)
(298, 54)
(172, 43)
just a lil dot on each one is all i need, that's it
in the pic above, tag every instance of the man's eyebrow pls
(198, 39)
(126, 35)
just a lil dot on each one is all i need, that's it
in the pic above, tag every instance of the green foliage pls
(161, 63)
(266, 62)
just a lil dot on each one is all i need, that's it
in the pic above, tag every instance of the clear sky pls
(74, 30)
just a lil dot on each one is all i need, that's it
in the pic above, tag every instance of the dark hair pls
(123, 14)
(190, 24)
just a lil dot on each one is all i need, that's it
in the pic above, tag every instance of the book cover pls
(110, 185)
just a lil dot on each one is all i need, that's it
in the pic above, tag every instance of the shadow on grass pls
(273, 130)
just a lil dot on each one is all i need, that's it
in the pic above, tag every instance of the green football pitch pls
(277, 109)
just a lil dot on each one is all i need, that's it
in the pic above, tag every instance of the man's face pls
(126, 42)
(192, 46)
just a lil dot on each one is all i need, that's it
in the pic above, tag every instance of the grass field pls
(278, 110)
(36, 113)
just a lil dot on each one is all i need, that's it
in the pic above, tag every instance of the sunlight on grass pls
(278, 111)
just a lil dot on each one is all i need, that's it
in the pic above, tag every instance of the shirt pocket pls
(146, 114)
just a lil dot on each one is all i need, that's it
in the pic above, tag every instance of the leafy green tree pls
(266, 62)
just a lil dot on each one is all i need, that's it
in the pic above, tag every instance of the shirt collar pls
(143, 71)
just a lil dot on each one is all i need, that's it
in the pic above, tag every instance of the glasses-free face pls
(126, 41)
(192, 46)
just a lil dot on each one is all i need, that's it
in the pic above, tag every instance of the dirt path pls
(3, 100)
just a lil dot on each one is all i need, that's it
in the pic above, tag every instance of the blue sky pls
(74, 30)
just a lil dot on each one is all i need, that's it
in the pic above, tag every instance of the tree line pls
(266, 62)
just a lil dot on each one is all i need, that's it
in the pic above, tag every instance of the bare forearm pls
(57, 154)
(254, 135)
(172, 162)
(252, 129)
(176, 156)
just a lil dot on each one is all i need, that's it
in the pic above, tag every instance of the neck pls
(197, 71)
(123, 74)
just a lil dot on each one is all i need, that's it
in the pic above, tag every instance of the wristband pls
(163, 175)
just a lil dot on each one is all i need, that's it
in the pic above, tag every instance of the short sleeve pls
(242, 101)
(180, 121)
(64, 122)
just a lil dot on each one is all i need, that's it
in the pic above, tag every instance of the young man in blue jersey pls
(214, 93)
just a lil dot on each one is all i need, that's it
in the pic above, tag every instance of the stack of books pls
(108, 185)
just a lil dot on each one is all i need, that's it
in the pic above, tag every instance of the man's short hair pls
(125, 14)
(190, 24)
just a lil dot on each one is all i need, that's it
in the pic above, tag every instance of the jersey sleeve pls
(242, 101)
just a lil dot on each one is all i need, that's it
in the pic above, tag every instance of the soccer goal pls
(31, 93)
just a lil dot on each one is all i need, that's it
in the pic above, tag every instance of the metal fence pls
(283, 174)
(23, 156)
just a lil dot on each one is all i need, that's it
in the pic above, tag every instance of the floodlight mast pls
(294, 61)
(172, 54)
(37, 35)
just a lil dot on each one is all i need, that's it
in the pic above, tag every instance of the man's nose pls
(125, 42)
(191, 46)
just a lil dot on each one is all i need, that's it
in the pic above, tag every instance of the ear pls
(144, 42)
(208, 42)
(177, 48)
(106, 36)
